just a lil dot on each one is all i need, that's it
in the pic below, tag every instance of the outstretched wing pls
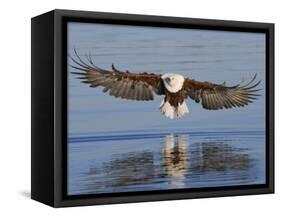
(126, 85)
(219, 96)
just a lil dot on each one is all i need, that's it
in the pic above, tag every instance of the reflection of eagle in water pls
(175, 155)
(176, 88)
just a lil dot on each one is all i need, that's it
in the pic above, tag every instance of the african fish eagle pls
(175, 87)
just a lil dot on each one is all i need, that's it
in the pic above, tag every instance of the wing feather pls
(125, 85)
(218, 96)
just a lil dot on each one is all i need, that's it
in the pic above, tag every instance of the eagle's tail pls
(181, 109)
(168, 110)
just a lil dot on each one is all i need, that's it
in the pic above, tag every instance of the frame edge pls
(60, 201)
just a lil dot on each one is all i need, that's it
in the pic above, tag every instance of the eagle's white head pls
(173, 82)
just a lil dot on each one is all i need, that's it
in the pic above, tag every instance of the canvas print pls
(158, 108)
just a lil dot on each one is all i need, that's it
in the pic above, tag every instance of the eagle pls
(175, 88)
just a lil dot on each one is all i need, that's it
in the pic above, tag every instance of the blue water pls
(153, 161)
(120, 145)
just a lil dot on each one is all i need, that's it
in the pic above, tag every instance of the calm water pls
(120, 145)
(152, 161)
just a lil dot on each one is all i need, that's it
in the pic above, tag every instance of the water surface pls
(122, 163)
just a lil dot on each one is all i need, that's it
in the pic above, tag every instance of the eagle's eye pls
(168, 79)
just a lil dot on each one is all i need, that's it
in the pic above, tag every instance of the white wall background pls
(15, 106)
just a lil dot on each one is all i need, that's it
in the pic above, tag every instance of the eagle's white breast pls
(173, 82)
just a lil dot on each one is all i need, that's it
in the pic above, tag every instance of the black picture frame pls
(49, 107)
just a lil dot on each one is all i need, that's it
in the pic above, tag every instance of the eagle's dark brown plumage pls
(126, 85)
(219, 96)
(141, 86)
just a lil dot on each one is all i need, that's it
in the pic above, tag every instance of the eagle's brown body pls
(174, 98)
(176, 88)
